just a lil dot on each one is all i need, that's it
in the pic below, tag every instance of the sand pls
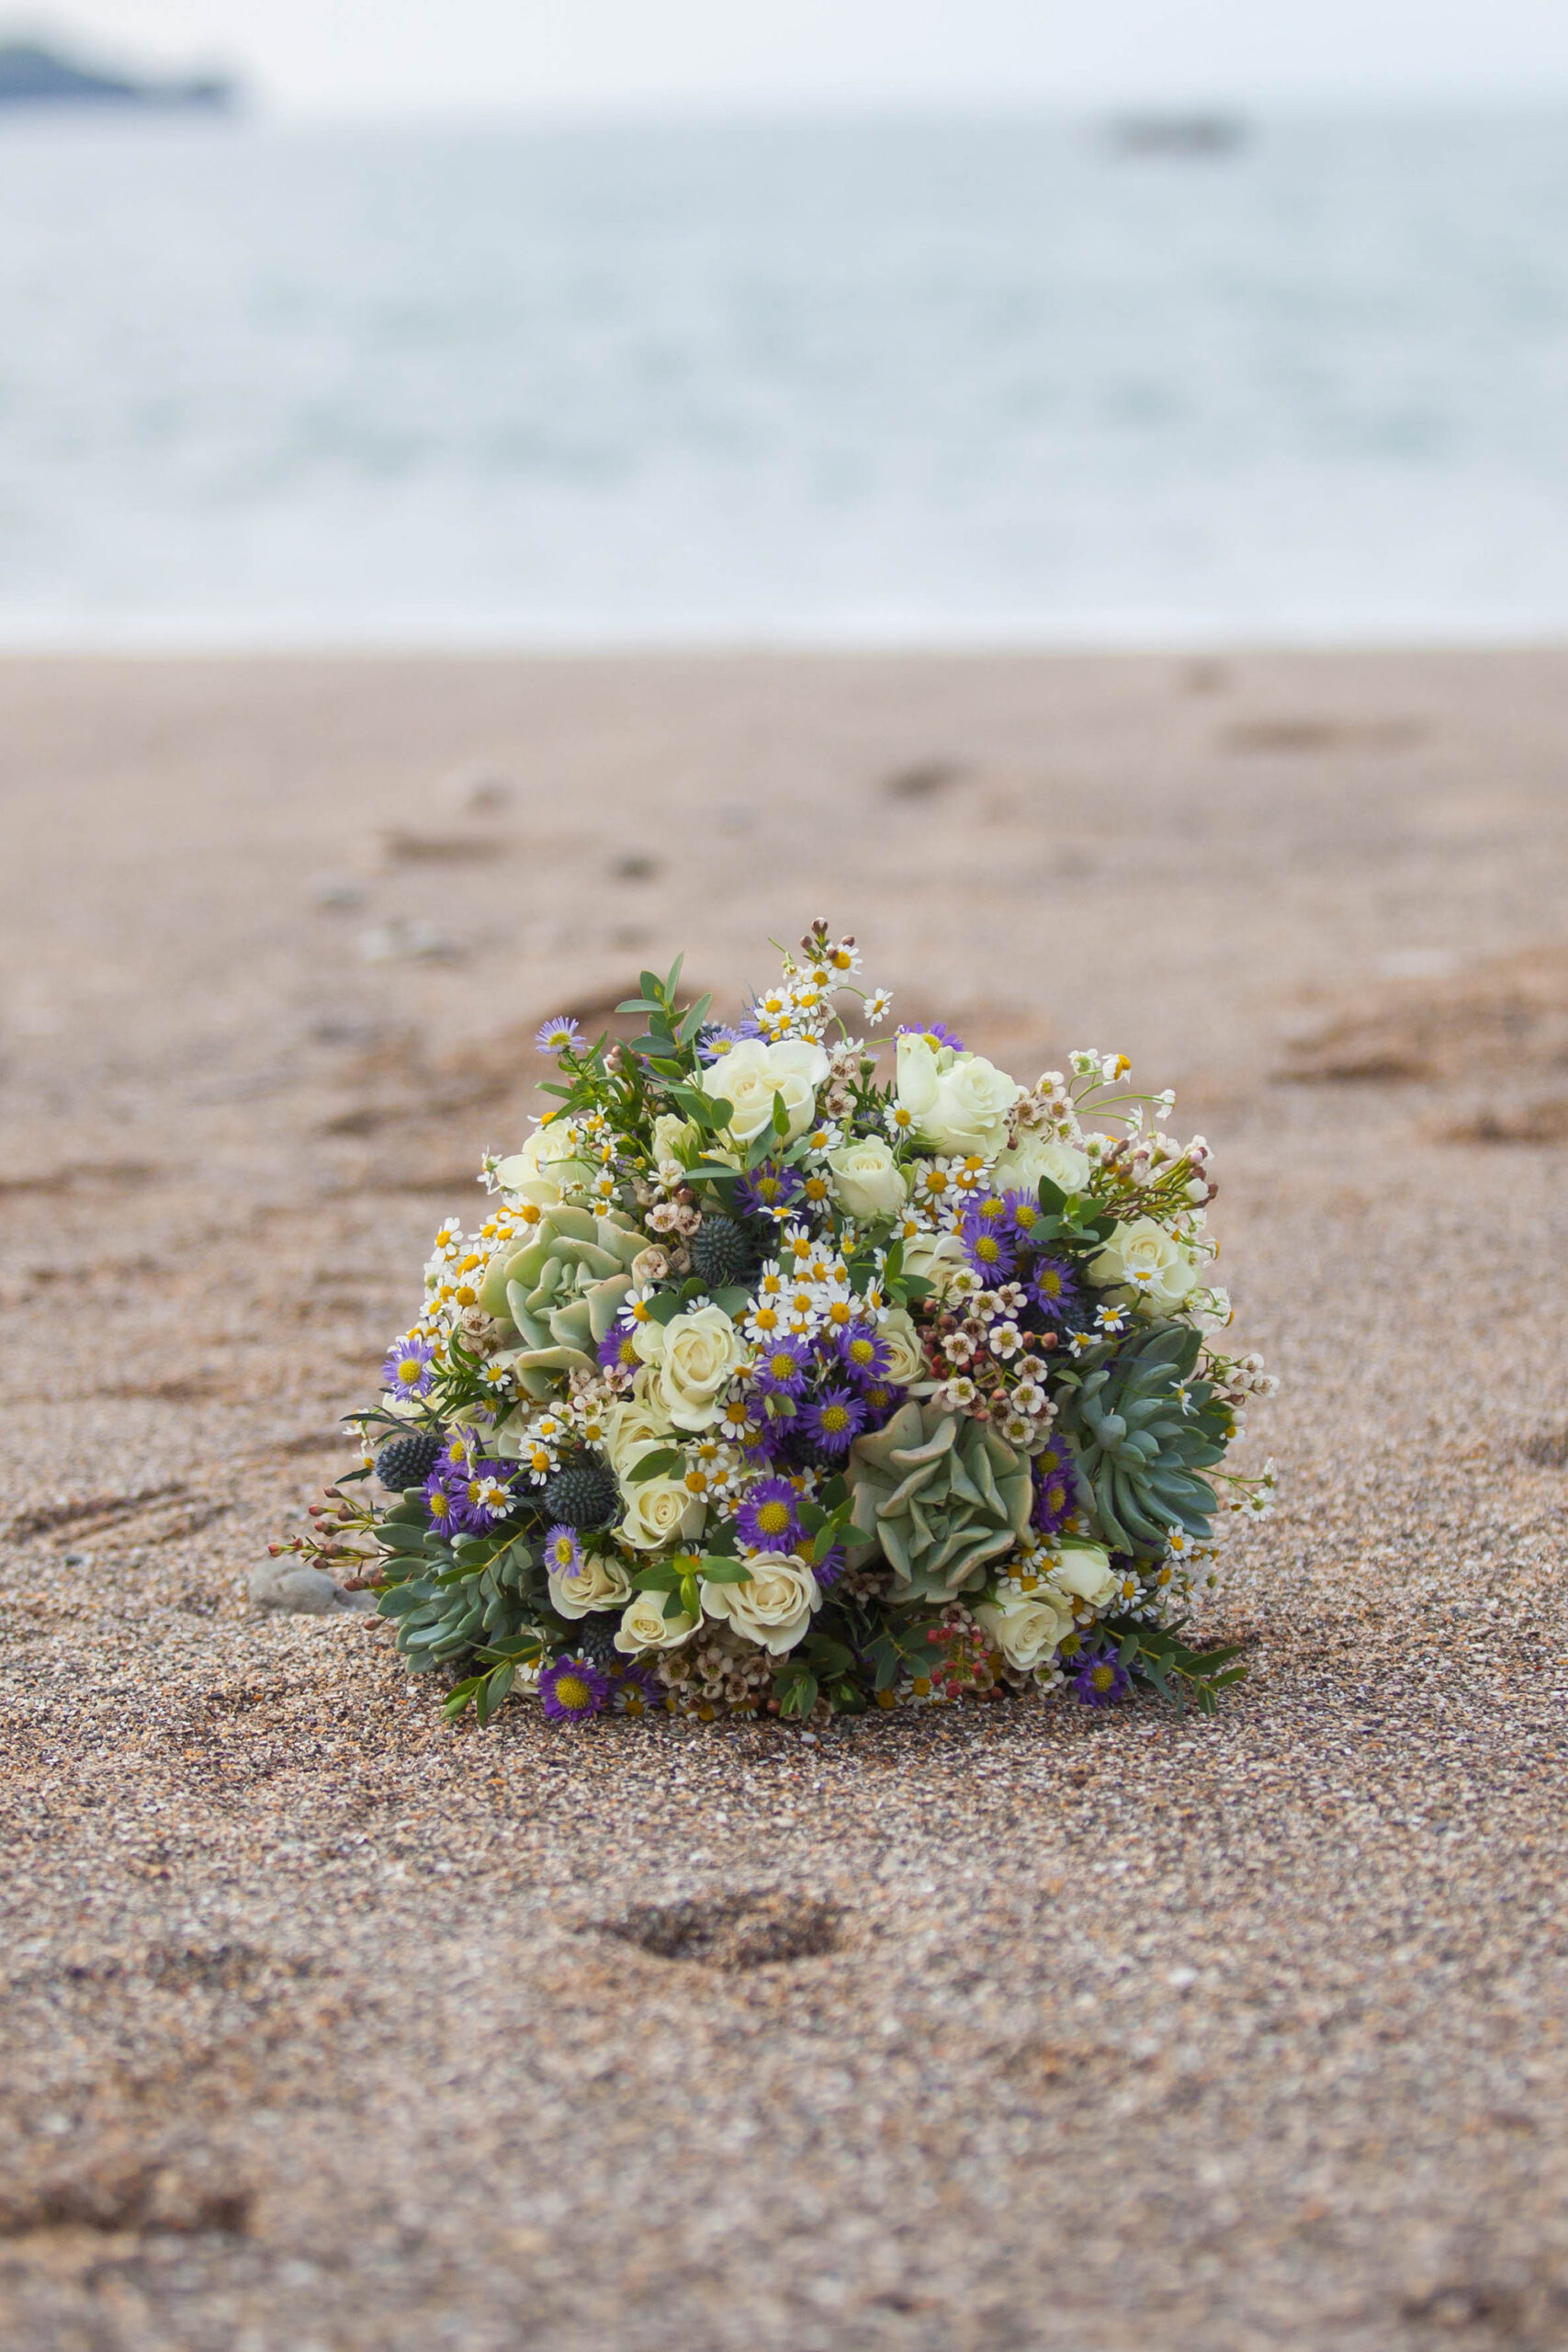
(329, 2025)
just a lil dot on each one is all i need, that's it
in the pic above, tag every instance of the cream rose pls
(867, 1179)
(1032, 1157)
(935, 1257)
(693, 1359)
(750, 1076)
(632, 1429)
(658, 1511)
(907, 1358)
(645, 1626)
(919, 1065)
(1144, 1262)
(970, 1112)
(1084, 1570)
(774, 1608)
(543, 1171)
(1026, 1632)
(595, 1584)
(671, 1137)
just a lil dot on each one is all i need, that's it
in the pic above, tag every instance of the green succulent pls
(940, 1496)
(1142, 1428)
(562, 1287)
(443, 1610)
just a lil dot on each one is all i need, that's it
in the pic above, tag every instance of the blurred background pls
(884, 322)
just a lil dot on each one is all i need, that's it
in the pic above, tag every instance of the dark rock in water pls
(1178, 134)
(31, 75)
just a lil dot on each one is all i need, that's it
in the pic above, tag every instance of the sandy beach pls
(329, 2025)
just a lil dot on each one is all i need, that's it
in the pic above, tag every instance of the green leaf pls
(692, 1019)
(800, 1697)
(662, 1576)
(457, 1701)
(781, 1118)
(674, 975)
(722, 1571)
(648, 983)
(664, 1307)
(501, 1683)
(658, 1465)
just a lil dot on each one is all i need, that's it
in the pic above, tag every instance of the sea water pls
(839, 381)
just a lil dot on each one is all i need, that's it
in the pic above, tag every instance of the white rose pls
(1019, 1169)
(645, 1627)
(596, 1583)
(694, 1358)
(543, 1171)
(867, 1179)
(671, 1137)
(632, 1429)
(774, 1609)
(1084, 1570)
(658, 1511)
(1145, 1263)
(907, 1358)
(935, 1257)
(750, 1076)
(919, 1071)
(970, 1113)
(1026, 1632)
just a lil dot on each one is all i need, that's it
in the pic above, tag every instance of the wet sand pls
(329, 2025)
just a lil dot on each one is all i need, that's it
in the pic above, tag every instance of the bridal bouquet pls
(776, 1381)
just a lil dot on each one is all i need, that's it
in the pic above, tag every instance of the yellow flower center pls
(772, 1519)
(835, 1418)
(572, 1691)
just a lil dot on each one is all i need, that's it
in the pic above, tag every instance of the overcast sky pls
(397, 54)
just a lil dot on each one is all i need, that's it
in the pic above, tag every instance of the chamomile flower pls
(878, 1005)
(635, 1304)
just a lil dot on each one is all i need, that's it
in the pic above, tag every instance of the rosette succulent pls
(1142, 1430)
(562, 1287)
(939, 1496)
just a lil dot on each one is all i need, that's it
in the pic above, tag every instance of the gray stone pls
(287, 1586)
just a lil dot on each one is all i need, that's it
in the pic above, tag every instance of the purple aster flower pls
(768, 1190)
(713, 1042)
(1053, 1286)
(1102, 1679)
(863, 1354)
(563, 1553)
(1022, 1213)
(458, 1455)
(881, 1400)
(935, 1032)
(573, 1690)
(1055, 1488)
(438, 1503)
(768, 1518)
(482, 1497)
(559, 1034)
(618, 1351)
(829, 1571)
(836, 1419)
(407, 1370)
(780, 1369)
(987, 1245)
